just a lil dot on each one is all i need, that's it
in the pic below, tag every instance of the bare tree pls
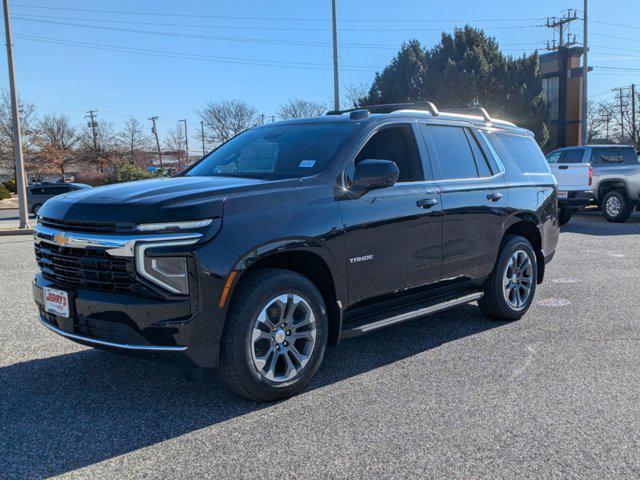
(28, 124)
(175, 142)
(355, 94)
(57, 130)
(225, 119)
(300, 108)
(108, 155)
(134, 141)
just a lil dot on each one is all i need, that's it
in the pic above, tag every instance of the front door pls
(393, 235)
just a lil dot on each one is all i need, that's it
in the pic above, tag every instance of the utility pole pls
(154, 130)
(559, 24)
(608, 122)
(202, 135)
(585, 71)
(186, 139)
(619, 91)
(93, 124)
(21, 184)
(634, 129)
(336, 83)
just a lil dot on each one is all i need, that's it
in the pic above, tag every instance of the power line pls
(193, 56)
(240, 17)
(616, 37)
(251, 27)
(615, 24)
(212, 37)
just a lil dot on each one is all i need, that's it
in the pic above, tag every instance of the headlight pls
(172, 226)
(169, 273)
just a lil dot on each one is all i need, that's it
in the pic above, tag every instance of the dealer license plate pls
(56, 302)
(563, 194)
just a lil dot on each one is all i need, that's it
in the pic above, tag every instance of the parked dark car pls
(298, 234)
(39, 193)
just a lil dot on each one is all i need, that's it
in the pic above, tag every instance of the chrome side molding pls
(103, 343)
(116, 245)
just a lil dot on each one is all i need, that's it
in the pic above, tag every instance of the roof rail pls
(391, 107)
(470, 110)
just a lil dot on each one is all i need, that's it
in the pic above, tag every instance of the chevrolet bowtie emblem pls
(61, 239)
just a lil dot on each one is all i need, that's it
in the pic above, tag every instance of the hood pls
(149, 201)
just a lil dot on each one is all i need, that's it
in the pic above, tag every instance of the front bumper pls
(153, 328)
(577, 199)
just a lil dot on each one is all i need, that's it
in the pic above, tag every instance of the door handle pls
(427, 203)
(494, 197)
(563, 167)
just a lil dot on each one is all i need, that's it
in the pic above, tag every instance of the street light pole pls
(585, 72)
(21, 186)
(336, 83)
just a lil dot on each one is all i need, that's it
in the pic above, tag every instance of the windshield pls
(278, 151)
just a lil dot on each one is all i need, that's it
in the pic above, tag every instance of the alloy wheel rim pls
(614, 206)
(518, 280)
(283, 337)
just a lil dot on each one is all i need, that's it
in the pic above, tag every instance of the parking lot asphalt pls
(454, 395)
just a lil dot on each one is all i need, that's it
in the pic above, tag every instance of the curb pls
(16, 231)
(8, 208)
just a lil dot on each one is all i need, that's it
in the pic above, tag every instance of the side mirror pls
(372, 174)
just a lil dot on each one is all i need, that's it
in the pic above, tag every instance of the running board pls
(362, 328)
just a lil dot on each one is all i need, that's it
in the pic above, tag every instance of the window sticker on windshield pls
(307, 164)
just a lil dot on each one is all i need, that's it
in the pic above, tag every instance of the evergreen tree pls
(466, 69)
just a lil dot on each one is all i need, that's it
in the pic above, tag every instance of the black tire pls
(494, 303)
(621, 211)
(237, 369)
(565, 215)
(35, 208)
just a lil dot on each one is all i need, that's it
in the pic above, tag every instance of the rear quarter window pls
(521, 150)
(629, 156)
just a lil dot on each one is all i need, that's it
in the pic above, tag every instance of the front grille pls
(85, 268)
(95, 227)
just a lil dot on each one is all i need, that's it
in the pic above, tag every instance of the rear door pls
(474, 200)
(393, 235)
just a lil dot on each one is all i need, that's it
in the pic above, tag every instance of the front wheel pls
(565, 215)
(275, 336)
(616, 207)
(511, 286)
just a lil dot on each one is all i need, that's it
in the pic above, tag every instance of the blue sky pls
(235, 49)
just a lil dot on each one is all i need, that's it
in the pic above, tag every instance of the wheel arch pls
(605, 186)
(306, 257)
(527, 226)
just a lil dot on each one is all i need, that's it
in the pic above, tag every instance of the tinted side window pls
(554, 157)
(397, 144)
(629, 156)
(606, 156)
(454, 152)
(521, 149)
(482, 163)
(572, 156)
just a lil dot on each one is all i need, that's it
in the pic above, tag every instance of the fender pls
(288, 245)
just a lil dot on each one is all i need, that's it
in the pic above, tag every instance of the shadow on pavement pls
(66, 412)
(592, 222)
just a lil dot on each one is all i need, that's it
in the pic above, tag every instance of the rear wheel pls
(35, 208)
(565, 215)
(511, 286)
(616, 207)
(275, 336)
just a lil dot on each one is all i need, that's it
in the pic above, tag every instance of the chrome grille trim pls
(114, 244)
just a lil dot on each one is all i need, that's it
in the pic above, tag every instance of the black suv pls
(295, 235)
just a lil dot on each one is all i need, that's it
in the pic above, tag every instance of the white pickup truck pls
(575, 181)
